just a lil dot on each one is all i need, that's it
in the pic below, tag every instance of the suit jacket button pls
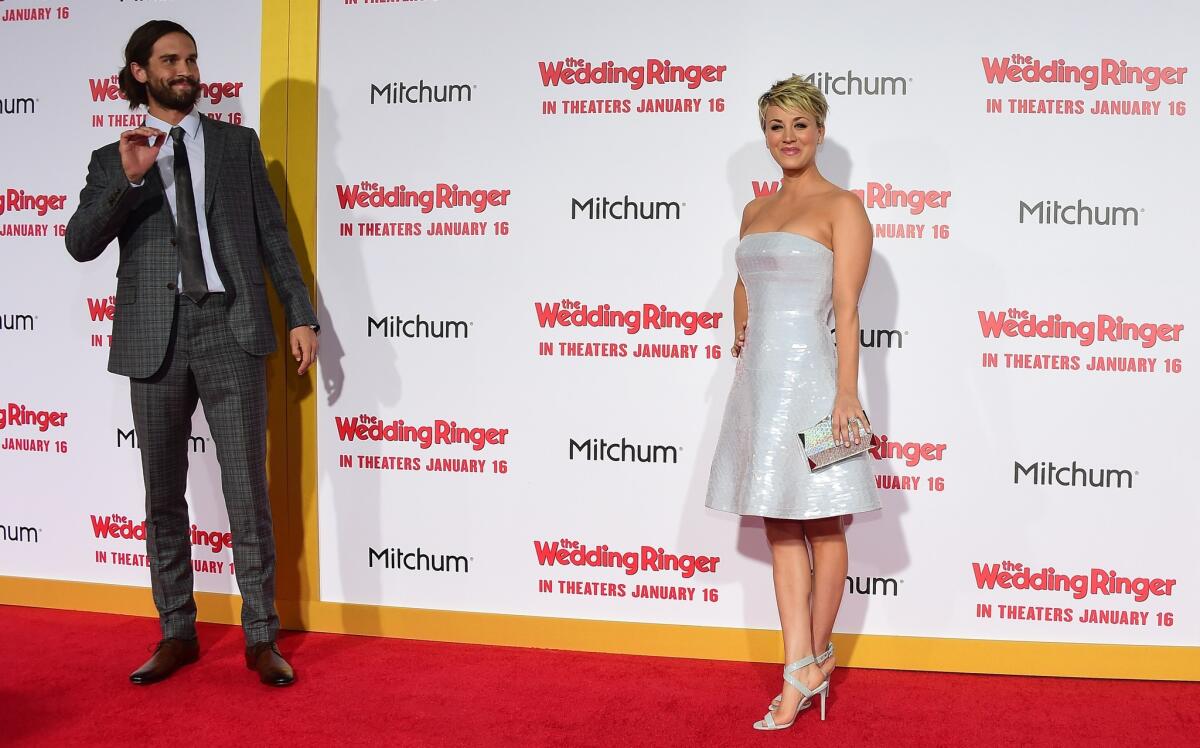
(174, 243)
(171, 285)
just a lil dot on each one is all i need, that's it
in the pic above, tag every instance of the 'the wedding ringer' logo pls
(572, 313)
(13, 200)
(107, 88)
(576, 71)
(567, 552)
(1105, 582)
(20, 415)
(879, 195)
(120, 527)
(1014, 323)
(370, 194)
(912, 453)
(369, 428)
(1020, 68)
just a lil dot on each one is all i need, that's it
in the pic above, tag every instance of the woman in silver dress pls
(804, 250)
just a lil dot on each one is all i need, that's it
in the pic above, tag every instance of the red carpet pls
(63, 682)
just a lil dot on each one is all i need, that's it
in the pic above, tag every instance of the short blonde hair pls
(796, 94)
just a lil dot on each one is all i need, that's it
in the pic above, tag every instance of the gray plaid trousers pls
(204, 362)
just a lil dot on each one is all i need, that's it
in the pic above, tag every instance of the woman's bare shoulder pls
(844, 204)
(752, 210)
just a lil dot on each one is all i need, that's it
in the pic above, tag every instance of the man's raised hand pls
(139, 148)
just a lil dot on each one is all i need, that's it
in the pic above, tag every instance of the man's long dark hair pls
(138, 50)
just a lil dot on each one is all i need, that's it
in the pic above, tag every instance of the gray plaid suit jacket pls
(247, 233)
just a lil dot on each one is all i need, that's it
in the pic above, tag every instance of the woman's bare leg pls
(830, 561)
(793, 586)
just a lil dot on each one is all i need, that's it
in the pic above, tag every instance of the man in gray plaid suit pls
(188, 200)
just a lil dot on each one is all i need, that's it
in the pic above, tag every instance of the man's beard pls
(169, 98)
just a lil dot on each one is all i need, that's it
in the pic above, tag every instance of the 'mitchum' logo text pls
(401, 560)
(624, 209)
(849, 84)
(421, 92)
(1108, 72)
(1078, 214)
(876, 338)
(596, 449)
(19, 534)
(882, 586)
(18, 105)
(1073, 476)
(575, 71)
(395, 326)
(128, 438)
(16, 322)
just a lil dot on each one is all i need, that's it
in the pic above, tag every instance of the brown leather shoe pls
(272, 668)
(169, 656)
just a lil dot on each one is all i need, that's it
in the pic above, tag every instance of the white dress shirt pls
(193, 140)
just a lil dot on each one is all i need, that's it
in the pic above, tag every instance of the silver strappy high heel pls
(805, 703)
(768, 722)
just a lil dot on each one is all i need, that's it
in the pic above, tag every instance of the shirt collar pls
(190, 124)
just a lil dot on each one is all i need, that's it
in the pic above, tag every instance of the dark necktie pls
(187, 231)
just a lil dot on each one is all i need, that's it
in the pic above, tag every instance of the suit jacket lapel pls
(214, 148)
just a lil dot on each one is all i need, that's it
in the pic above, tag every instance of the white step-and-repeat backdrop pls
(527, 219)
(72, 504)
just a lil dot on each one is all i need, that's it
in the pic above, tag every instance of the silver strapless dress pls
(785, 382)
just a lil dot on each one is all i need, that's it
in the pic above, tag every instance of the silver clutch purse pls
(822, 450)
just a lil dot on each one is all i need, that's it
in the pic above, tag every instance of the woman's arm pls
(740, 310)
(851, 256)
